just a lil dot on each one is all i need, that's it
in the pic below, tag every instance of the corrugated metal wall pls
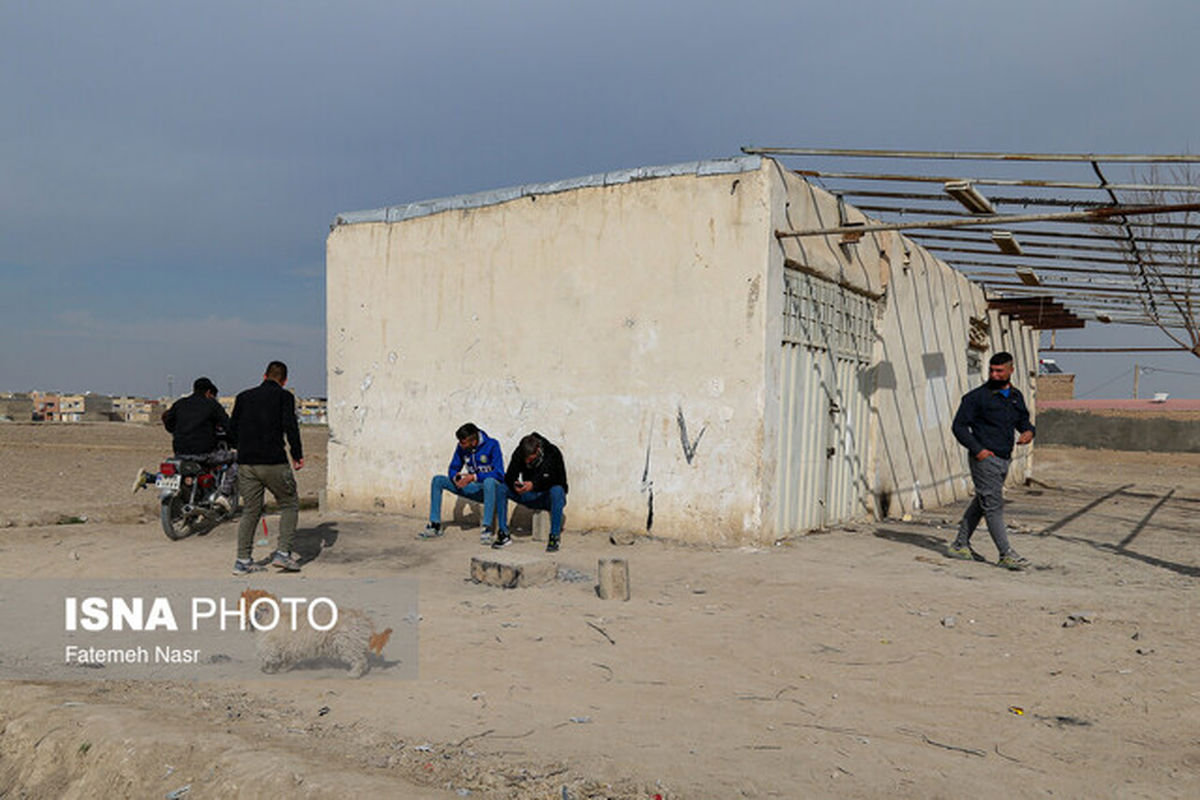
(828, 337)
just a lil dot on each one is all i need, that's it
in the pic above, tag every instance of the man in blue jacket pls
(477, 473)
(984, 424)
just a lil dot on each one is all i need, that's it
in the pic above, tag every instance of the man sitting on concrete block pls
(477, 473)
(537, 479)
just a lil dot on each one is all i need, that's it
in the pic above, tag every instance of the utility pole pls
(1136, 371)
(171, 386)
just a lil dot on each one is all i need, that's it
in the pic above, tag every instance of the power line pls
(1148, 370)
(1124, 374)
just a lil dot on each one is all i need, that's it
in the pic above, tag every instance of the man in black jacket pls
(197, 424)
(537, 479)
(262, 418)
(984, 424)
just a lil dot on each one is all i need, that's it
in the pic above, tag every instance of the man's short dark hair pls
(529, 445)
(466, 431)
(277, 371)
(204, 386)
(1003, 357)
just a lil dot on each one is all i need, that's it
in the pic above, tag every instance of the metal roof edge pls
(424, 208)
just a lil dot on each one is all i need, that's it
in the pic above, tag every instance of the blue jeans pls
(492, 493)
(552, 500)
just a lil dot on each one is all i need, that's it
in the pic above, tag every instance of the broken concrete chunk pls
(512, 571)
(613, 579)
(621, 537)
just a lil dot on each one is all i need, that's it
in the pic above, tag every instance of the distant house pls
(137, 409)
(86, 407)
(312, 411)
(45, 406)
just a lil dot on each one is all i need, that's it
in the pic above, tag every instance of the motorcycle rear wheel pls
(175, 523)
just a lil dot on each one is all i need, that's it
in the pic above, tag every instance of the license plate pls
(170, 484)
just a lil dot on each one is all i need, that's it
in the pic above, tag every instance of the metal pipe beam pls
(968, 155)
(1096, 215)
(1026, 233)
(1155, 273)
(1112, 349)
(1016, 201)
(1109, 217)
(1029, 182)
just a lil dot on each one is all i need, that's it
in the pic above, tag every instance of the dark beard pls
(995, 385)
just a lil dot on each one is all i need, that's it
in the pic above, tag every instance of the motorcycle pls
(188, 492)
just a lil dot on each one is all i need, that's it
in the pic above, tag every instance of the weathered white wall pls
(606, 318)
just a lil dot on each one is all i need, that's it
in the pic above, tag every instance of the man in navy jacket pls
(477, 473)
(984, 424)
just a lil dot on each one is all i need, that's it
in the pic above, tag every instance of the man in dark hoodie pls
(197, 424)
(263, 418)
(984, 424)
(537, 479)
(476, 472)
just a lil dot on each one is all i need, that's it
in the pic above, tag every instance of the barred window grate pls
(821, 314)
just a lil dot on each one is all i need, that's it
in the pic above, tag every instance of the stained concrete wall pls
(639, 326)
(626, 323)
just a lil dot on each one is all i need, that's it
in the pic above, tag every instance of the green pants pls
(253, 479)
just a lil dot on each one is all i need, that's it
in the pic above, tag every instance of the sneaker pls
(485, 537)
(432, 531)
(222, 502)
(1011, 560)
(502, 540)
(285, 562)
(964, 552)
(141, 480)
(552, 545)
(246, 566)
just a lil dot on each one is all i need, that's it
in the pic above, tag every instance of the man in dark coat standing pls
(263, 417)
(984, 424)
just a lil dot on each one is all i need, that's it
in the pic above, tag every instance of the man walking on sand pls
(263, 417)
(984, 424)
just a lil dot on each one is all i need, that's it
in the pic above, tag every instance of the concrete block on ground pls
(540, 525)
(614, 579)
(512, 570)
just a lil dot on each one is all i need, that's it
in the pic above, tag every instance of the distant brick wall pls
(1132, 432)
(18, 409)
(1059, 386)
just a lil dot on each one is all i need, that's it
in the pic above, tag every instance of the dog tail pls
(378, 641)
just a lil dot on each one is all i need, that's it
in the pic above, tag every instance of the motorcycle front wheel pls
(175, 523)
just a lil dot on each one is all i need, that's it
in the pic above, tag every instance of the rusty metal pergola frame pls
(1125, 252)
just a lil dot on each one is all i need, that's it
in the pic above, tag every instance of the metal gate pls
(828, 336)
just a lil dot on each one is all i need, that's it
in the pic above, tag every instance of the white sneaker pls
(222, 502)
(485, 537)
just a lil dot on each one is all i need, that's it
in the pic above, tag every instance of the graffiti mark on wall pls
(689, 447)
(648, 489)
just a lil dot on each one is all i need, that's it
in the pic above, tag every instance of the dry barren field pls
(855, 663)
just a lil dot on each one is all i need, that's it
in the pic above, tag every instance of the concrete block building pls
(706, 380)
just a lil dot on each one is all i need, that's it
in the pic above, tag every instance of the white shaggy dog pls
(350, 641)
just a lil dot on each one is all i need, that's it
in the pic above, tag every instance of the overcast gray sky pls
(168, 171)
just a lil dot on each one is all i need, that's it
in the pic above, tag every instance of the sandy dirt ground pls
(859, 662)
